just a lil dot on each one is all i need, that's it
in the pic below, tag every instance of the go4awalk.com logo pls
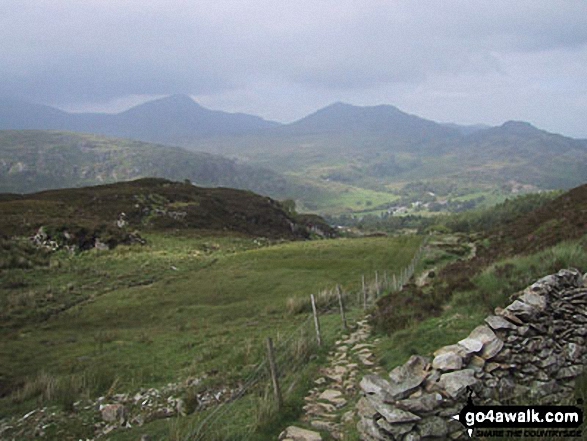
(521, 421)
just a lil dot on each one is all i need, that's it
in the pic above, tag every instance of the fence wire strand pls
(288, 363)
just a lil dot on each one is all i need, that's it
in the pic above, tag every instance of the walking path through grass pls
(330, 404)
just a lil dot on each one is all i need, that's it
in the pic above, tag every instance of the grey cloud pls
(67, 51)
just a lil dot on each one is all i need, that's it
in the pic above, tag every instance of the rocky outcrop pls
(530, 351)
(108, 414)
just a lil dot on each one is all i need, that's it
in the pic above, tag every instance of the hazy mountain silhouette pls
(172, 120)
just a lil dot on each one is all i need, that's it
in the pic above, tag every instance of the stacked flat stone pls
(327, 402)
(530, 351)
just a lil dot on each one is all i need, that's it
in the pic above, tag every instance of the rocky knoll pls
(529, 352)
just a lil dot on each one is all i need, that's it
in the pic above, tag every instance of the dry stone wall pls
(530, 351)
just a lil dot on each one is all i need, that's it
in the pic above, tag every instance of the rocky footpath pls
(115, 412)
(531, 351)
(330, 404)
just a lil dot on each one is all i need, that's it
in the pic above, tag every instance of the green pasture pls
(180, 307)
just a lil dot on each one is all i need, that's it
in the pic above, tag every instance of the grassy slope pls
(149, 203)
(33, 160)
(510, 257)
(145, 323)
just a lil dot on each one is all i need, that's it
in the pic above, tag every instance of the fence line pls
(288, 364)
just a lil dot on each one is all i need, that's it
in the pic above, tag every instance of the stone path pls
(330, 403)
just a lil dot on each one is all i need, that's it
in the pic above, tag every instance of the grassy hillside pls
(318, 160)
(512, 254)
(490, 163)
(113, 213)
(38, 160)
(182, 307)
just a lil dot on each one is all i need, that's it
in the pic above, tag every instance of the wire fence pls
(292, 353)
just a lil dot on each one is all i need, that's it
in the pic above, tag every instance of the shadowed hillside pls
(111, 213)
(511, 254)
(39, 160)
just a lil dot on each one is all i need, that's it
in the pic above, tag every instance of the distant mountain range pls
(173, 120)
(178, 119)
(342, 147)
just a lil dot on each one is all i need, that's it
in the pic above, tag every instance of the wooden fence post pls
(342, 316)
(274, 377)
(316, 321)
(364, 293)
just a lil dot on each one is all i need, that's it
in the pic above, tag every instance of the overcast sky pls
(464, 61)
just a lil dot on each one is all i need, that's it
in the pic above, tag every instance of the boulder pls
(113, 413)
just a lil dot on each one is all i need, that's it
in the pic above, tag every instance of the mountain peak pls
(520, 127)
(179, 99)
(174, 103)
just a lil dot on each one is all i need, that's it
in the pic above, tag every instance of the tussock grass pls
(46, 388)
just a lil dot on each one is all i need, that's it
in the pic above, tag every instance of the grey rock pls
(374, 384)
(569, 372)
(471, 345)
(425, 403)
(368, 429)
(333, 396)
(508, 315)
(293, 433)
(396, 430)
(326, 426)
(447, 362)
(113, 413)
(522, 310)
(476, 363)
(573, 351)
(407, 378)
(365, 408)
(497, 322)
(433, 427)
(455, 383)
(533, 299)
(391, 413)
(491, 342)
(412, 437)
(455, 349)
